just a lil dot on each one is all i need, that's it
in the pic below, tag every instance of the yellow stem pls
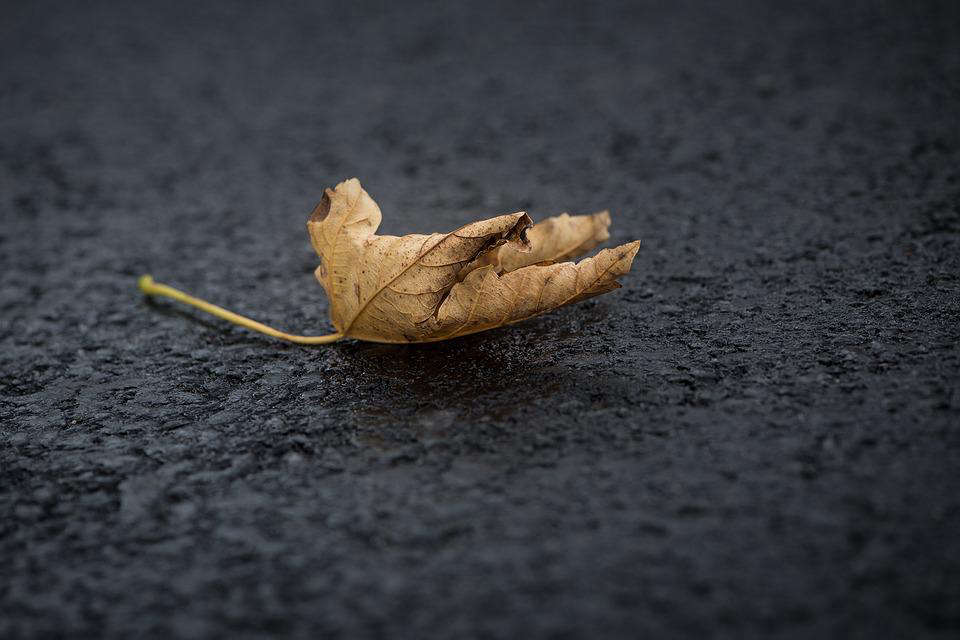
(151, 288)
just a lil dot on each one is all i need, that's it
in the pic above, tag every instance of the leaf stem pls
(151, 288)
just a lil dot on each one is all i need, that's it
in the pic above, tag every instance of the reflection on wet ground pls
(506, 377)
(575, 365)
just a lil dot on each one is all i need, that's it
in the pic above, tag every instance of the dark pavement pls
(758, 436)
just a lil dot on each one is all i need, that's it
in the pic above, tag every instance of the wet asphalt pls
(757, 436)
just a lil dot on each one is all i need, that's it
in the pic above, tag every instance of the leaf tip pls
(517, 235)
(630, 250)
(322, 210)
(602, 222)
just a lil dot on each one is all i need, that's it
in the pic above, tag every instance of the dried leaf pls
(424, 288)
(557, 239)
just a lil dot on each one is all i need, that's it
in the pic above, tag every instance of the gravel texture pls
(759, 435)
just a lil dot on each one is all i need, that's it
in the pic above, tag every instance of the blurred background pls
(756, 436)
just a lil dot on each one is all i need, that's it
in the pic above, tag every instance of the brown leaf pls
(424, 288)
(556, 239)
